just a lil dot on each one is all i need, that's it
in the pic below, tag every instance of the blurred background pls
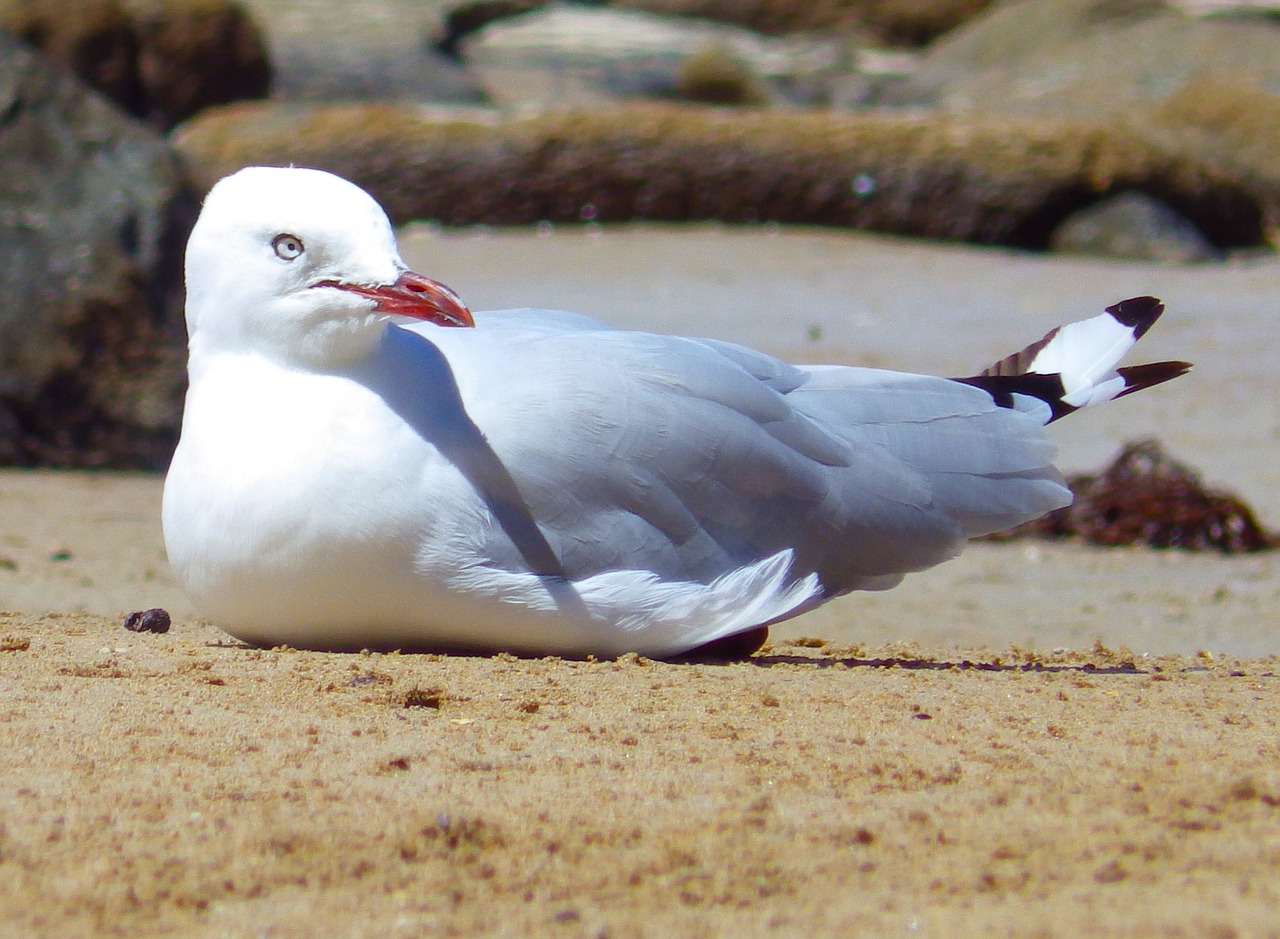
(1126, 129)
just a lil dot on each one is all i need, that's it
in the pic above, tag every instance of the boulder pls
(368, 66)
(1133, 226)
(1209, 84)
(1230, 124)
(94, 39)
(93, 218)
(196, 53)
(886, 22)
(578, 55)
(881, 22)
(1092, 59)
(461, 20)
(162, 60)
(1005, 180)
(360, 52)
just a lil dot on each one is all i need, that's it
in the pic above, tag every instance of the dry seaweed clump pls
(1145, 497)
(990, 180)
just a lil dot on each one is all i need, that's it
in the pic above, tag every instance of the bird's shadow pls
(416, 381)
(915, 663)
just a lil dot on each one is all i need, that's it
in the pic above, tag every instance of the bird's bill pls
(413, 295)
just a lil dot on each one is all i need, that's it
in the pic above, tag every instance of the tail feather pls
(1137, 377)
(1075, 366)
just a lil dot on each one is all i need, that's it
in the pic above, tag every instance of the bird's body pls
(544, 483)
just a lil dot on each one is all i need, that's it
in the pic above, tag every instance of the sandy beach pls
(186, 785)
(1034, 740)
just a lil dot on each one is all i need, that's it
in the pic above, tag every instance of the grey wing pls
(692, 458)
(925, 465)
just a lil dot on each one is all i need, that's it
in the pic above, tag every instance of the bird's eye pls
(288, 247)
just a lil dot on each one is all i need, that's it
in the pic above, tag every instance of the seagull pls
(365, 464)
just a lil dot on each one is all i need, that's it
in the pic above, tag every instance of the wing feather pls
(693, 458)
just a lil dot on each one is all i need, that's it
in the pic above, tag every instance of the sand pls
(1035, 740)
(185, 784)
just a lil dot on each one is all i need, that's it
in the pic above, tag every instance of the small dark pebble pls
(423, 698)
(1147, 497)
(148, 621)
(922, 716)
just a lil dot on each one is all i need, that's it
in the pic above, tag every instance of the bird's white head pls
(302, 266)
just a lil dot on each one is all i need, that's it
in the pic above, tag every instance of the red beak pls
(413, 295)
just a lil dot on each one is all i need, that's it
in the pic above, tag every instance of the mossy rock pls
(990, 180)
(196, 53)
(1229, 124)
(162, 60)
(716, 75)
(92, 38)
(1089, 59)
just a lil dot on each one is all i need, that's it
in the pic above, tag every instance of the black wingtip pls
(1137, 377)
(1138, 313)
(1047, 387)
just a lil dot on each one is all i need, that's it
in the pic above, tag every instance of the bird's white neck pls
(314, 342)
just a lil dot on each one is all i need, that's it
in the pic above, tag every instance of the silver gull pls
(358, 467)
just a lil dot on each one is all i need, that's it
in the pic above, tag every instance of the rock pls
(1007, 181)
(93, 218)
(1228, 124)
(1228, 8)
(566, 55)
(1093, 59)
(196, 53)
(93, 39)
(369, 67)
(715, 75)
(469, 17)
(148, 621)
(162, 60)
(323, 51)
(1133, 226)
(894, 23)
(1139, 64)
(889, 22)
